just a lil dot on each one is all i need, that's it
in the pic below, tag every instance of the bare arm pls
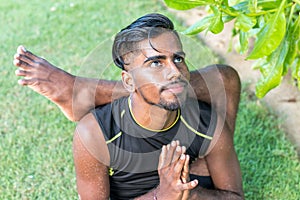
(225, 171)
(219, 85)
(75, 96)
(90, 159)
(222, 161)
(88, 93)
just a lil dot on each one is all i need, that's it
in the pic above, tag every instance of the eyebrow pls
(180, 53)
(155, 58)
(163, 57)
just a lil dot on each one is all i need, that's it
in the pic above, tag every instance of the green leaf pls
(227, 18)
(241, 7)
(199, 26)
(272, 71)
(245, 23)
(293, 34)
(270, 36)
(229, 10)
(296, 68)
(260, 4)
(186, 4)
(216, 24)
(296, 71)
(243, 42)
(268, 4)
(291, 55)
(203, 24)
(252, 6)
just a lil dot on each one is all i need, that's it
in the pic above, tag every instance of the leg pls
(44, 78)
(220, 86)
(75, 96)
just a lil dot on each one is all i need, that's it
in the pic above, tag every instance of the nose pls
(173, 72)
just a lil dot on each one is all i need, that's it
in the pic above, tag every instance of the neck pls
(151, 116)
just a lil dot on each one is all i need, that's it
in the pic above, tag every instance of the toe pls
(17, 56)
(21, 49)
(23, 82)
(18, 72)
(16, 62)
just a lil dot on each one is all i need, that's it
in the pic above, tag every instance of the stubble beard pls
(165, 104)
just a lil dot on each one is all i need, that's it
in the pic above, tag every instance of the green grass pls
(36, 153)
(269, 162)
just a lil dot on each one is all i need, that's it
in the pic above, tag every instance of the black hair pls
(126, 40)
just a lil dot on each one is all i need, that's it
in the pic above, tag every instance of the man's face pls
(159, 72)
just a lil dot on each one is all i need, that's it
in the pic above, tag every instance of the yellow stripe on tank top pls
(195, 131)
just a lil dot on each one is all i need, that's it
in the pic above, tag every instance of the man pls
(157, 112)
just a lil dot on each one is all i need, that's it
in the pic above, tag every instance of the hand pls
(174, 172)
(185, 177)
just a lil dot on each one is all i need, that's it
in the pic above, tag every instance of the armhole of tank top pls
(100, 124)
(210, 132)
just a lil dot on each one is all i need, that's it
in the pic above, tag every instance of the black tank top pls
(134, 150)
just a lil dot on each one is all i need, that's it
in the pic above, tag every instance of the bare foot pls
(45, 79)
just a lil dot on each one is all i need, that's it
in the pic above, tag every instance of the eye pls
(155, 63)
(178, 59)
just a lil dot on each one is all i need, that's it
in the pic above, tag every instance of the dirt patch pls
(284, 100)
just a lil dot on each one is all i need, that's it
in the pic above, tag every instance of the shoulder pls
(90, 135)
(108, 117)
(104, 113)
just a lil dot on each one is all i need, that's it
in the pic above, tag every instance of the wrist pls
(165, 194)
(155, 193)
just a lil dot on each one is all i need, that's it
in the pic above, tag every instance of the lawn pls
(36, 139)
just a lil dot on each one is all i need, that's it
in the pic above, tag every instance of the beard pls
(170, 105)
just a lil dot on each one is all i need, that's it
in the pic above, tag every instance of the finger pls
(185, 170)
(188, 186)
(173, 143)
(183, 149)
(178, 151)
(185, 195)
(170, 152)
(186, 166)
(177, 154)
(179, 166)
(162, 157)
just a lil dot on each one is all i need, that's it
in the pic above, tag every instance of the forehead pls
(166, 43)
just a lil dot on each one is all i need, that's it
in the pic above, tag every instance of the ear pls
(128, 82)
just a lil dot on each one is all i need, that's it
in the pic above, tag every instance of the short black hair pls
(127, 39)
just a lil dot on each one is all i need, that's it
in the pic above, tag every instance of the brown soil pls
(284, 100)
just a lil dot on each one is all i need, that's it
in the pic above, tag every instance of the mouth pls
(176, 87)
